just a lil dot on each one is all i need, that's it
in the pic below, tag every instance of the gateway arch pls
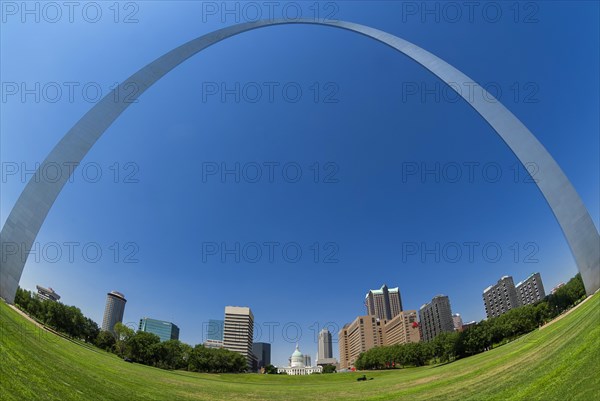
(34, 203)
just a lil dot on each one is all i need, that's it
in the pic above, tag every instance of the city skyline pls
(214, 334)
(365, 215)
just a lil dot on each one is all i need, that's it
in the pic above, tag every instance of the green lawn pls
(559, 362)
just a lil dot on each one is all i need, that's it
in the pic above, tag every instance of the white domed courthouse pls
(297, 366)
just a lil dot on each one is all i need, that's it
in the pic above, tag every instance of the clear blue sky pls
(369, 138)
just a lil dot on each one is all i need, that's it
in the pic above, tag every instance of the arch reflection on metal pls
(34, 203)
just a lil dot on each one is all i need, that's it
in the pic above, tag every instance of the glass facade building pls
(262, 351)
(164, 330)
(215, 330)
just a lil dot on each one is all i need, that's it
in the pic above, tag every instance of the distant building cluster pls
(234, 333)
(385, 324)
(504, 295)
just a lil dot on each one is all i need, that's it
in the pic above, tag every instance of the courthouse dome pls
(297, 358)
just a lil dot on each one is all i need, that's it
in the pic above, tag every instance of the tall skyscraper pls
(500, 297)
(262, 351)
(384, 303)
(164, 330)
(238, 330)
(325, 351)
(531, 289)
(436, 317)
(364, 333)
(113, 312)
(402, 329)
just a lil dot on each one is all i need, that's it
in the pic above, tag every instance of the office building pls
(364, 333)
(325, 350)
(262, 351)
(113, 311)
(384, 303)
(402, 329)
(530, 290)
(164, 330)
(214, 334)
(436, 317)
(307, 360)
(238, 330)
(458, 322)
(47, 294)
(500, 297)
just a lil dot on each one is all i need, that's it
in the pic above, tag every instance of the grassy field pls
(558, 362)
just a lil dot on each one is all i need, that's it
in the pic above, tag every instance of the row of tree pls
(146, 348)
(60, 317)
(140, 346)
(477, 338)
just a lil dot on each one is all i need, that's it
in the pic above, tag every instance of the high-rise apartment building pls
(384, 303)
(113, 311)
(164, 330)
(262, 351)
(364, 333)
(501, 297)
(436, 317)
(531, 290)
(47, 293)
(325, 350)
(402, 329)
(238, 330)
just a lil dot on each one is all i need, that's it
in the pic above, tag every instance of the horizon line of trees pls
(146, 348)
(480, 337)
(63, 318)
(136, 346)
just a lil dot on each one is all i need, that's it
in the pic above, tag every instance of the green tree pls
(90, 330)
(122, 335)
(327, 369)
(139, 347)
(171, 354)
(270, 370)
(218, 360)
(105, 340)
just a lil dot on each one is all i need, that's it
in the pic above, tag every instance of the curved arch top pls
(34, 203)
